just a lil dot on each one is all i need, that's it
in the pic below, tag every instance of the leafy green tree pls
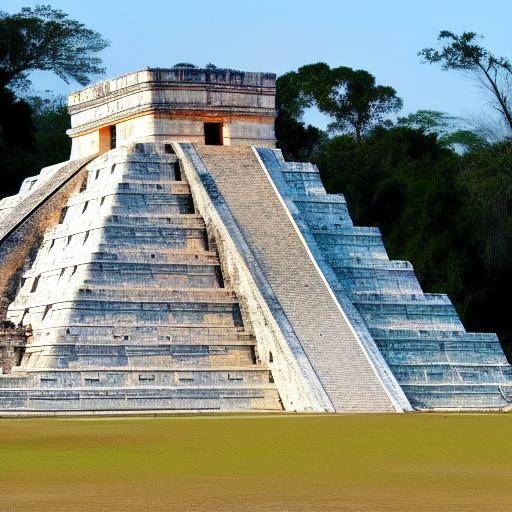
(32, 130)
(356, 102)
(350, 97)
(35, 137)
(461, 52)
(297, 141)
(452, 132)
(45, 39)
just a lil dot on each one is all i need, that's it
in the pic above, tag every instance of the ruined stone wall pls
(12, 345)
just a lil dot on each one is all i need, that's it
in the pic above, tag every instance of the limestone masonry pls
(177, 262)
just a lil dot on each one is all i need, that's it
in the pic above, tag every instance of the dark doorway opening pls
(213, 134)
(113, 137)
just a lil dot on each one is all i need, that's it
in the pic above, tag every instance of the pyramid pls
(178, 263)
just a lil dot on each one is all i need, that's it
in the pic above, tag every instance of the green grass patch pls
(413, 462)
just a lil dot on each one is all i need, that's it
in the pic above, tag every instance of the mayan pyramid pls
(177, 262)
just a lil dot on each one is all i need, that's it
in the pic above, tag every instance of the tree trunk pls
(504, 108)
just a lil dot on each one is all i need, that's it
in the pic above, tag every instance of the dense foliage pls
(33, 129)
(350, 97)
(45, 39)
(32, 135)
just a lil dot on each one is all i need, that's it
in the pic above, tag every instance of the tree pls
(32, 135)
(46, 39)
(351, 97)
(297, 141)
(452, 132)
(32, 130)
(460, 52)
(186, 65)
(356, 102)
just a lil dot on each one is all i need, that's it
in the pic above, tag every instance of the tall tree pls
(461, 52)
(350, 97)
(297, 141)
(32, 130)
(356, 102)
(46, 39)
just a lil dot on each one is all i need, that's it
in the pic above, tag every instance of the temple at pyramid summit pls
(177, 262)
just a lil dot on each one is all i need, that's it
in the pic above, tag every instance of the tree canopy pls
(350, 97)
(46, 39)
(33, 129)
(453, 132)
(461, 52)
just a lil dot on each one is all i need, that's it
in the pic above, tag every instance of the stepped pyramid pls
(178, 263)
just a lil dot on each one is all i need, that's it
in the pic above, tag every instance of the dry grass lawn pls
(258, 463)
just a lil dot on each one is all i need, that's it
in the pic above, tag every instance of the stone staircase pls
(436, 362)
(353, 378)
(127, 303)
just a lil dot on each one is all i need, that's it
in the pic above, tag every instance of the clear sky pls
(380, 36)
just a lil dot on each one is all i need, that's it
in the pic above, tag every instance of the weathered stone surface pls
(156, 105)
(298, 384)
(13, 341)
(337, 356)
(25, 217)
(436, 362)
(127, 303)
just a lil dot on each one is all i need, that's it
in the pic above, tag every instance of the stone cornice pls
(181, 78)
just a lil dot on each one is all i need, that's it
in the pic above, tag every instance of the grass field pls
(251, 463)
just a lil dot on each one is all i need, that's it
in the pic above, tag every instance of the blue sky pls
(382, 37)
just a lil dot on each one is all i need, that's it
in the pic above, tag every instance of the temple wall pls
(155, 127)
(162, 105)
(16, 248)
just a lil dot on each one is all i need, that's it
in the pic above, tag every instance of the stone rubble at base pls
(169, 275)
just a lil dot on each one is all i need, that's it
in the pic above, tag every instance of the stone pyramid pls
(178, 263)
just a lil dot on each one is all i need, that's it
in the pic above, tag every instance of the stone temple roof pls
(219, 77)
(243, 101)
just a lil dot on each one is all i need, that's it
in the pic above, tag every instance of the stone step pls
(144, 252)
(100, 269)
(118, 230)
(457, 396)
(437, 354)
(203, 356)
(448, 373)
(150, 330)
(142, 399)
(159, 376)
